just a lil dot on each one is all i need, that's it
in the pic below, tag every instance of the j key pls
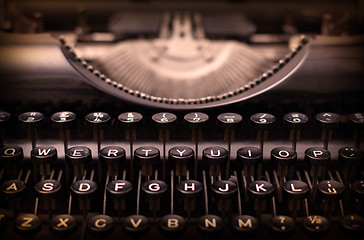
(31, 121)
(120, 191)
(327, 121)
(249, 158)
(84, 190)
(136, 224)
(245, 224)
(282, 224)
(44, 157)
(210, 224)
(4, 118)
(316, 225)
(181, 157)
(11, 157)
(112, 157)
(27, 224)
(78, 156)
(100, 224)
(353, 224)
(224, 191)
(172, 224)
(148, 157)
(63, 224)
(215, 157)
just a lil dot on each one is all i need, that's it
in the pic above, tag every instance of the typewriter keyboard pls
(165, 175)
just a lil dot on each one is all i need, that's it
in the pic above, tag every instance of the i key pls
(249, 158)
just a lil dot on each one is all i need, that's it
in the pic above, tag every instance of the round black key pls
(196, 119)
(147, 154)
(130, 120)
(3, 220)
(100, 224)
(317, 156)
(181, 154)
(245, 224)
(210, 224)
(283, 156)
(31, 119)
(136, 224)
(260, 189)
(172, 224)
(48, 187)
(63, 119)
(295, 120)
(4, 117)
(119, 188)
(224, 189)
(84, 188)
(164, 119)
(327, 119)
(12, 154)
(351, 156)
(189, 188)
(154, 188)
(316, 224)
(296, 189)
(27, 224)
(78, 155)
(13, 188)
(353, 223)
(63, 224)
(282, 224)
(357, 119)
(330, 189)
(262, 120)
(249, 156)
(229, 120)
(97, 119)
(215, 154)
(358, 189)
(112, 155)
(44, 154)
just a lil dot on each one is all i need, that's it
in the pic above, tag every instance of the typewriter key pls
(27, 224)
(285, 158)
(100, 224)
(120, 191)
(282, 224)
(260, 192)
(316, 225)
(331, 191)
(296, 191)
(148, 158)
(224, 191)
(189, 190)
(154, 190)
(245, 224)
(84, 190)
(48, 190)
(262, 122)
(44, 157)
(113, 157)
(216, 158)
(172, 224)
(327, 121)
(210, 224)
(63, 224)
(181, 157)
(295, 122)
(31, 121)
(136, 224)
(4, 118)
(11, 156)
(249, 158)
(357, 121)
(353, 224)
(78, 156)
(353, 160)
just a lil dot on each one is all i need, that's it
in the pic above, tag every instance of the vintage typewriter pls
(181, 119)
